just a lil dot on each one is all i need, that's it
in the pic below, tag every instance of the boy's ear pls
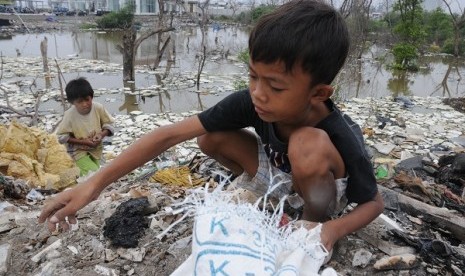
(322, 92)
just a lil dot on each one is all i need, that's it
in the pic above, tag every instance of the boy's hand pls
(89, 142)
(328, 235)
(65, 205)
(97, 138)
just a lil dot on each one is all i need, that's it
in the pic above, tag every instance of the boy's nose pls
(258, 92)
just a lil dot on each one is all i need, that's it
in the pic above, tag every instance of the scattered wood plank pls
(442, 217)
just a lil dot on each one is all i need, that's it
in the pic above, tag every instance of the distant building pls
(376, 15)
(142, 6)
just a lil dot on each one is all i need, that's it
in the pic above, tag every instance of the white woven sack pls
(239, 239)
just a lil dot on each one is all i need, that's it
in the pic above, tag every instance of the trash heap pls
(35, 156)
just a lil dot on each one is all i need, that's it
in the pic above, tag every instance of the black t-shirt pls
(236, 111)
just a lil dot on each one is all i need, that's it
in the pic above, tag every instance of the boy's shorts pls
(269, 177)
(87, 163)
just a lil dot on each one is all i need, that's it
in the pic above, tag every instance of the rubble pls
(5, 252)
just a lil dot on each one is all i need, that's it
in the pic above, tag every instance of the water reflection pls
(130, 103)
(399, 84)
(452, 75)
(103, 45)
(371, 77)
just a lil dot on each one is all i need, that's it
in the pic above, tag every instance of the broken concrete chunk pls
(5, 223)
(180, 247)
(5, 251)
(132, 254)
(73, 249)
(101, 270)
(48, 269)
(53, 246)
(362, 258)
(410, 164)
(53, 254)
(399, 262)
(384, 148)
(110, 255)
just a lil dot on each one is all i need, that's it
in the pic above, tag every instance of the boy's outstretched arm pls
(362, 215)
(68, 202)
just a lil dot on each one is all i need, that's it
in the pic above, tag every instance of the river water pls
(439, 75)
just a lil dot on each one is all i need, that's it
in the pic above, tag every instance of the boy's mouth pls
(260, 111)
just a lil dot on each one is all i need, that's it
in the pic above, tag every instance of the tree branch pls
(148, 34)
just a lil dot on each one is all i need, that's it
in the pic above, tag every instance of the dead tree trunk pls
(458, 21)
(129, 50)
(130, 45)
(203, 46)
(43, 51)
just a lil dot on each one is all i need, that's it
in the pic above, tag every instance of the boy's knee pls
(202, 142)
(207, 142)
(310, 146)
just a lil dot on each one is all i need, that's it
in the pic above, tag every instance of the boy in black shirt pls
(295, 53)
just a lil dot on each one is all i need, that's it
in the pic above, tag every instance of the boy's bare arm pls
(99, 136)
(83, 142)
(68, 202)
(358, 218)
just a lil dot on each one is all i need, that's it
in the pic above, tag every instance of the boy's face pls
(280, 96)
(83, 105)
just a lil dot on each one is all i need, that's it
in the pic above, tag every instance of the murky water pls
(439, 75)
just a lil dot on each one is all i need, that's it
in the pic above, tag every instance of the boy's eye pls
(277, 89)
(252, 77)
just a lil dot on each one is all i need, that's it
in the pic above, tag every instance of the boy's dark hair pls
(308, 33)
(78, 88)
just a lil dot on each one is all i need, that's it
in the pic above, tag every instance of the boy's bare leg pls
(315, 165)
(236, 150)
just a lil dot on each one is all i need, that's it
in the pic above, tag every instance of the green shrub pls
(449, 45)
(87, 26)
(244, 17)
(377, 25)
(121, 19)
(244, 56)
(240, 84)
(405, 55)
(434, 48)
(261, 10)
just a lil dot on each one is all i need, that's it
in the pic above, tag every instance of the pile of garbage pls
(35, 156)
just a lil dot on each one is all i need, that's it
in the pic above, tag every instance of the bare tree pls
(361, 14)
(162, 41)
(234, 6)
(130, 46)
(202, 55)
(43, 51)
(345, 8)
(458, 21)
(444, 85)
